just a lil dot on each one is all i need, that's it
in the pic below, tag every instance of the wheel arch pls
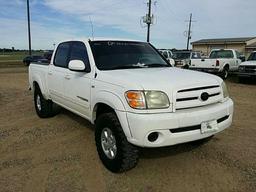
(109, 102)
(38, 82)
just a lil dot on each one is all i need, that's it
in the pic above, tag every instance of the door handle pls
(49, 73)
(67, 77)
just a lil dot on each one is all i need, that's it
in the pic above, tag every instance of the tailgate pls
(203, 63)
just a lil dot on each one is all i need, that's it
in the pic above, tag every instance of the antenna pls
(92, 27)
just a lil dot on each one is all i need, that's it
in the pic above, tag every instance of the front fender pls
(115, 102)
(109, 98)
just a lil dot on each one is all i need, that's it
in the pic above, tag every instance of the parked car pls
(248, 69)
(183, 58)
(220, 61)
(168, 55)
(35, 58)
(132, 95)
(48, 55)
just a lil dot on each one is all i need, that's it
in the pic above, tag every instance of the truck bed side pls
(38, 75)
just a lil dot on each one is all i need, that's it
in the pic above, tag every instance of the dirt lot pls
(59, 154)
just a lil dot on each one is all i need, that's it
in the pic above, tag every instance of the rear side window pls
(62, 54)
(165, 54)
(228, 54)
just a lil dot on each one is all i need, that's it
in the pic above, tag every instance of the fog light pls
(152, 137)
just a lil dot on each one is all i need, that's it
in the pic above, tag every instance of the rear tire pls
(224, 74)
(44, 108)
(116, 153)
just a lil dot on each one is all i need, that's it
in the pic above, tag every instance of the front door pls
(78, 84)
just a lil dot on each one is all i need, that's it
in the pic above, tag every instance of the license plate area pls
(209, 126)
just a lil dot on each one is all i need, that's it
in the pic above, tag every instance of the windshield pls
(181, 55)
(228, 54)
(252, 57)
(111, 55)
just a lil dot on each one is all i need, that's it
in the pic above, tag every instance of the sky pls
(56, 20)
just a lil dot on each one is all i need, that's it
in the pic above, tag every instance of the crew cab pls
(132, 95)
(248, 69)
(220, 61)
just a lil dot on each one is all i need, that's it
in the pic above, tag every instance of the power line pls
(148, 19)
(29, 34)
(189, 32)
(149, 22)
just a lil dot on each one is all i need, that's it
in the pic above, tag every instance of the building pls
(244, 45)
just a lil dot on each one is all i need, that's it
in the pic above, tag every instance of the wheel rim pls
(108, 143)
(38, 102)
(226, 74)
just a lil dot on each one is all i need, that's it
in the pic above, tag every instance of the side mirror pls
(76, 65)
(242, 58)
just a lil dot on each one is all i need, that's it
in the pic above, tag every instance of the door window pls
(79, 52)
(62, 54)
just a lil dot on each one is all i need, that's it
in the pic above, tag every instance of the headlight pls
(224, 90)
(147, 99)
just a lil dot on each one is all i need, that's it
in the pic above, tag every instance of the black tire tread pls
(46, 105)
(130, 153)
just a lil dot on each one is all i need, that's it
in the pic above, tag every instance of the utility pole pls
(149, 20)
(189, 30)
(29, 34)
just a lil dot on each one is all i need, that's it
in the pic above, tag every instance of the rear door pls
(57, 72)
(78, 84)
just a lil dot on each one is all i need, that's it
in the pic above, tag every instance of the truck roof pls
(102, 39)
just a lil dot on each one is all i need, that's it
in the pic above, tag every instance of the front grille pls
(192, 97)
(247, 69)
(195, 127)
(198, 88)
(250, 69)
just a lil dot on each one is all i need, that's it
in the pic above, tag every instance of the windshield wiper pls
(157, 65)
(126, 67)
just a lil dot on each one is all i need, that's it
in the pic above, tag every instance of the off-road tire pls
(47, 108)
(127, 155)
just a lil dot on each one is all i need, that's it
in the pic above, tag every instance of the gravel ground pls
(59, 154)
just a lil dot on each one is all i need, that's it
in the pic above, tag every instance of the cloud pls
(60, 19)
(15, 34)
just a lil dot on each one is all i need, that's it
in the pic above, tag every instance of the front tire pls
(115, 152)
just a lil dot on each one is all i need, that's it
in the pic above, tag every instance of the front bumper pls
(245, 74)
(141, 125)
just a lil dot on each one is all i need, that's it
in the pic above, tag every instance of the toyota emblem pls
(204, 96)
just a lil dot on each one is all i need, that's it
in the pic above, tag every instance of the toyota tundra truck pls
(132, 95)
(220, 61)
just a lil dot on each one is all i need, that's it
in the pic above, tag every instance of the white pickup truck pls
(220, 61)
(132, 95)
(248, 69)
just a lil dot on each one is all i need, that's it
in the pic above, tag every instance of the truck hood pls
(162, 79)
(248, 63)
